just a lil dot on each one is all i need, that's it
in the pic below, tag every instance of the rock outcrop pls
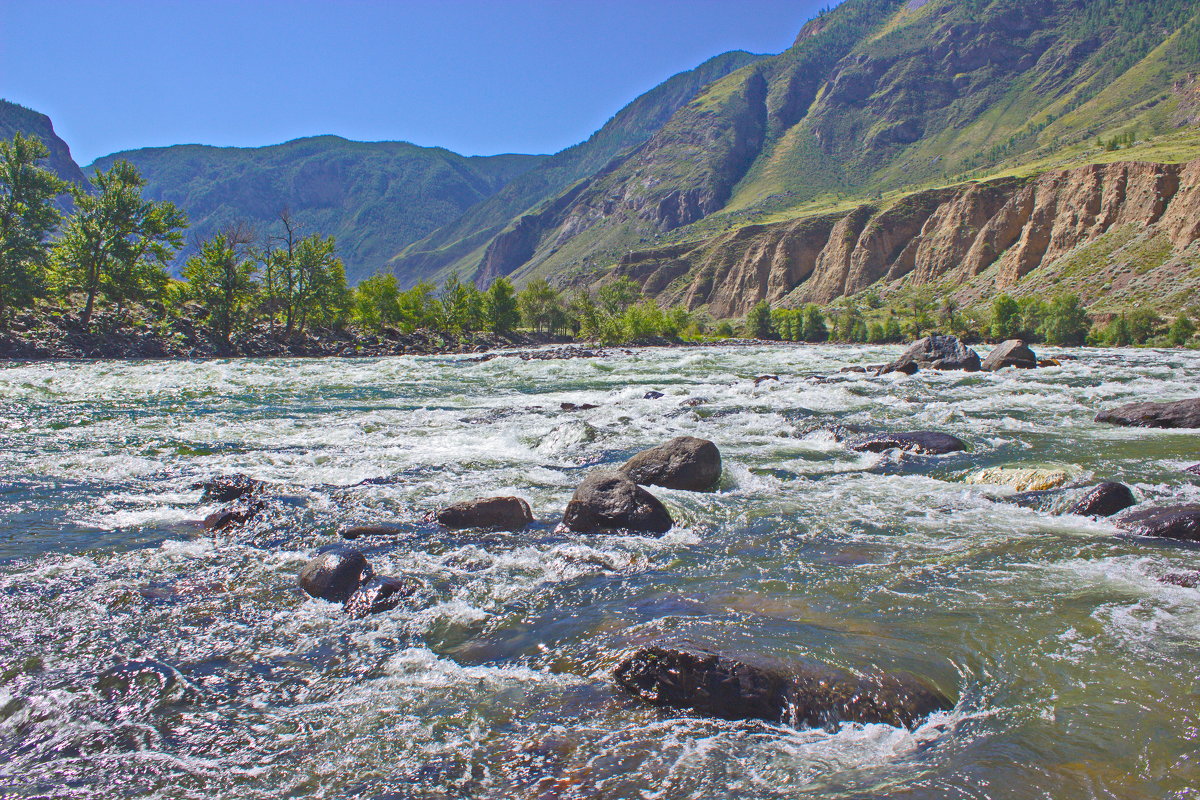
(505, 513)
(1179, 414)
(744, 687)
(609, 500)
(335, 573)
(928, 443)
(935, 352)
(1012, 353)
(682, 463)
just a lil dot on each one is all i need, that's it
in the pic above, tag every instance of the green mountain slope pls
(459, 246)
(375, 197)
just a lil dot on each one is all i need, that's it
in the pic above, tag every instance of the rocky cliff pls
(1121, 231)
(16, 119)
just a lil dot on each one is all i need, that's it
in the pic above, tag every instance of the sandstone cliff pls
(1128, 230)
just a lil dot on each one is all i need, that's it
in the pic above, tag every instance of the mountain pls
(375, 197)
(460, 245)
(16, 119)
(876, 101)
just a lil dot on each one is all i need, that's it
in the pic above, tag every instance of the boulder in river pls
(935, 352)
(652, 395)
(232, 517)
(922, 442)
(610, 500)
(505, 513)
(1168, 522)
(1012, 353)
(335, 573)
(379, 594)
(368, 531)
(1193, 470)
(227, 488)
(1105, 500)
(744, 687)
(682, 463)
(1021, 479)
(1179, 414)
(1186, 580)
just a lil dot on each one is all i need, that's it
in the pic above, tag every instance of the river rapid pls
(142, 656)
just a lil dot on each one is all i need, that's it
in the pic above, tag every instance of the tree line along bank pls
(114, 247)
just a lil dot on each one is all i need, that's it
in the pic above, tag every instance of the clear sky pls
(475, 76)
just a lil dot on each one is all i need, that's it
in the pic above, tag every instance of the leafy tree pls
(419, 308)
(588, 319)
(27, 217)
(1033, 313)
(462, 306)
(541, 307)
(1182, 330)
(619, 295)
(376, 301)
(758, 321)
(1143, 325)
(221, 276)
(1066, 323)
(117, 243)
(724, 330)
(318, 282)
(1006, 318)
(813, 329)
(500, 308)
(1117, 333)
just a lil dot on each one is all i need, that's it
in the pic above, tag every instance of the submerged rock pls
(610, 500)
(923, 442)
(335, 573)
(682, 463)
(1021, 479)
(1168, 522)
(1105, 500)
(506, 513)
(1013, 353)
(741, 687)
(379, 594)
(227, 488)
(579, 407)
(1179, 414)
(935, 352)
(1193, 470)
(232, 517)
(652, 395)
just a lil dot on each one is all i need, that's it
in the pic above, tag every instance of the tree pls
(117, 243)
(462, 306)
(758, 321)
(221, 276)
(541, 307)
(1143, 324)
(1182, 330)
(619, 295)
(1006, 318)
(376, 301)
(1066, 323)
(321, 281)
(1117, 334)
(813, 328)
(500, 309)
(27, 217)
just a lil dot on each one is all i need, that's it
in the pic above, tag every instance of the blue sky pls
(477, 77)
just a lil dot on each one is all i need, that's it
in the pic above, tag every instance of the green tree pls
(813, 328)
(758, 321)
(419, 308)
(541, 307)
(1117, 333)
(462, 306)
(619, 295)
(27, 217)
(1182, 330)
(221, 276)
(1006, 318)
(500, 308)
(1066, 323)
(376, 301)
(117, 243)
(1144, 324)
(317, 283)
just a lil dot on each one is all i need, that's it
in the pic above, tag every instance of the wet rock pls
(146, 681)
(682, 463)
(1049, 362)
(1193, 470)
(692, 402)
(1021, 479)
(1188, 580)
(1105, 500)
(227, 488)
(579, 407)
(744, 687)
(368, 531)
(505, 513)
(232, 517)
(1013, 353)
(335, 573)
(922, 442)
(652, 395)
(1179, 414)
(935, 352)
(1039, 500)
(379, 594)
(853, 369)
(610, 500)
(765, 378)
(1167, 522)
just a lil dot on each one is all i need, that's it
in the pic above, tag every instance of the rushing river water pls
(143, 656)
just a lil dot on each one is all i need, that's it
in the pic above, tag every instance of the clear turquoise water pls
(1075, 669)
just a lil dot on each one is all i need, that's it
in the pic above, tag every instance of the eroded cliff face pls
(979, 238)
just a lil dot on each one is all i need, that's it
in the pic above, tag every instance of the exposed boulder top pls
(1168, 522)
(923, 442)
(1179, 414)
(610, 500)
(1021, 479)
(227, 488)
(935, 351)
(506, 513)
(335, 573)
(1105, 500)
(682, 463)
(737, 686)
(1012, 353)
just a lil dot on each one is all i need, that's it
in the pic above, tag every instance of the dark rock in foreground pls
(506, 513)
(1013, 353)
(1168, 522)
(367, 531)
(610, 500)
(1179, 414)
(379, 594)
(923, 442)
(682, 463)
(1105, 500)
(935, 352)
(335, 573)
(738, 687)
(227, 488)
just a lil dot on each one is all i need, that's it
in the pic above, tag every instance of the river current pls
(142, 656)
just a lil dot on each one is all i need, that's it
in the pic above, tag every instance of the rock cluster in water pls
(1178, 414)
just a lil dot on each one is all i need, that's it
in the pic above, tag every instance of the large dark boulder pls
(505, 513)
(935, 352)
(335, 573)
(360, 531)
(379, 594)
(682, 463)
(1179, 414)
(922, 442)
(227, 488)
(1169, 522)
(1105, 500)
(744, 687)
(1013, 353)
(610, 500)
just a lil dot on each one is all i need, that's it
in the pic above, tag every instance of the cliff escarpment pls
(1122, 231)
